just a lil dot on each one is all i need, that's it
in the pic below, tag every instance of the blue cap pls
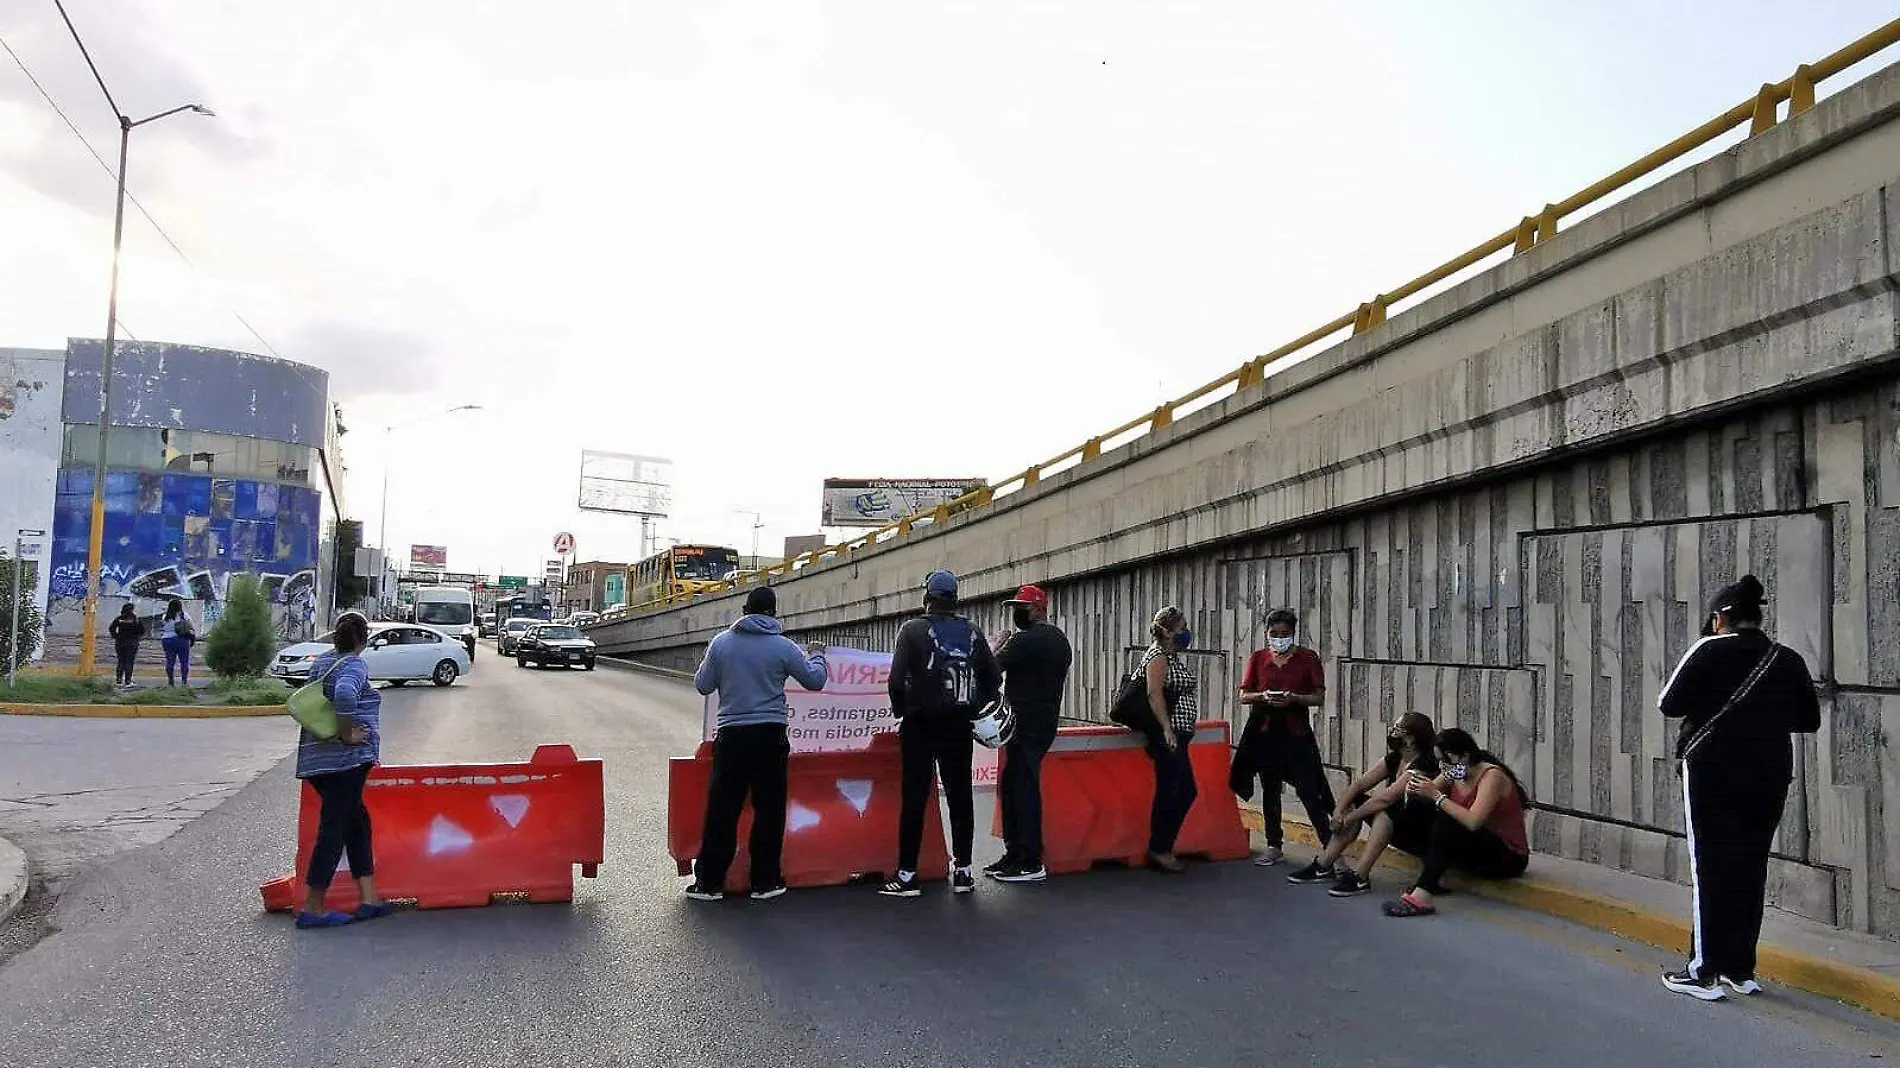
(941, 584)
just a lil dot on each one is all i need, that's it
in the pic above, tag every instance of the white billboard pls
(876, 502)
(625, 484)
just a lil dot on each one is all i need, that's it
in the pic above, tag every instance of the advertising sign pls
(876, 502)
(433, 556)
(625, 484)
(854, 705)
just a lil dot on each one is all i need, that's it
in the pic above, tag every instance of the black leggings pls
(342, 827)
(1481, 853)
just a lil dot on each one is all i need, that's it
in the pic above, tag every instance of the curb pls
(634, 665)
(143, 711)
(1800, 971)
(13, 879)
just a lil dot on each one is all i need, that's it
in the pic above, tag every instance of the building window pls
(196, 452)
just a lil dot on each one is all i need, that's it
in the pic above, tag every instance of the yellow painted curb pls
(143, 711)
(1817, 975)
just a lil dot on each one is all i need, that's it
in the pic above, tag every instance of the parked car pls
(555, 645)
(512, 631)
(397, 653)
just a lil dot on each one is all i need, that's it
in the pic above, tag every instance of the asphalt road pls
(163, 957)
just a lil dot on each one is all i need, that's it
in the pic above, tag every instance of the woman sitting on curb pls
(1378, 797)
(1479, 827)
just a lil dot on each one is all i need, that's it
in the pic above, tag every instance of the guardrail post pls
(984, 496)
(1766, 100)
(1031, 477)
(1526, 235)
(941, 514)
(1252, 373)
(1092, 451)
(1164, 416)
(1370, 314)
(903, 527)
(1801, 90)
(1547, 223)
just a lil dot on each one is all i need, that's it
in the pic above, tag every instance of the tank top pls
(1507, 817)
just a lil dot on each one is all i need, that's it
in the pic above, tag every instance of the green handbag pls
(311, 709)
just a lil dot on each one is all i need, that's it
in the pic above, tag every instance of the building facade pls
(596, 585)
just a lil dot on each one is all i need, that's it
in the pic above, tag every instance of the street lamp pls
(382, 534)
(758, 524)
(95, 547)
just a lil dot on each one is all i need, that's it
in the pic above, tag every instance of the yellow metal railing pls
(1761, 112)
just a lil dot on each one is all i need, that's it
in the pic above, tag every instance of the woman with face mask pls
(1377, 799)
(1172, 699)
(1280, 684)
(1478, 827)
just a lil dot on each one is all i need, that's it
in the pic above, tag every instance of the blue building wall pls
(191, 388)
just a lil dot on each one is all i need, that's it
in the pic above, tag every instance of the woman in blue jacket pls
(337, 769)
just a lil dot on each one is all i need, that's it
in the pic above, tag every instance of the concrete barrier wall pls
(1507, 507)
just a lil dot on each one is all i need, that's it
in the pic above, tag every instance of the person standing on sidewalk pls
(127, 632)
(1035, 662)
(942, 674)
(1280, 683)
(748, 665)
(1739, 696)
(176, 635)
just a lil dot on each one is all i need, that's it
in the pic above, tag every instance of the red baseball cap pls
(1030, 595)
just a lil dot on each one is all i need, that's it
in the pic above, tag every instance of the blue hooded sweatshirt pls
(748, 665)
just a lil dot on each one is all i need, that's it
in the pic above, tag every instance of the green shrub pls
(243, 691)
(31, 622)
(46, 689)
(160, 695)
(243, 642)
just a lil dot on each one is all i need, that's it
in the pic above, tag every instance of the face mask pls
(1023, 617)
(1280, 645)
(1457, 771)
(1182, 639)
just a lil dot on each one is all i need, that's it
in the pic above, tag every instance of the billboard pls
(429, 556)
(625, 484)
(876, 502)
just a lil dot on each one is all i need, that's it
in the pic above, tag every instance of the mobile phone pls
(1277, 693)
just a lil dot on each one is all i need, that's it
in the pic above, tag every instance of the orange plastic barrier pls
(841, 813)
(458, 835)
(1097, 789)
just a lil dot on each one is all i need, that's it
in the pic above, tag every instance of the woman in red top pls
(1479, 828)
(1280, 683)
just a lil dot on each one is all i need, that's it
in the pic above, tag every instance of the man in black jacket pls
(942, 674)
(1035, 661)
(1739, 696)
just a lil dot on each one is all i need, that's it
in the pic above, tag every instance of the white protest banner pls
(854, 705)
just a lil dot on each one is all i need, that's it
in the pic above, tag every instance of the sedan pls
(397, 653)
(512, 631)
(552, 644)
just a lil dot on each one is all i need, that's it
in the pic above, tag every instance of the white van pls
(449, 609)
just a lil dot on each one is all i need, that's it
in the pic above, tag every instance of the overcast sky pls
(779, 240)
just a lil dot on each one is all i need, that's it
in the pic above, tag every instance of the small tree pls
(32, 622)
(350, 588)
(244, 640)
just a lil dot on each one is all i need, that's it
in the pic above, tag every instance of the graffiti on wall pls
(170, 535)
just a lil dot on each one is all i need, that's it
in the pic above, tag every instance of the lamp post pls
(382, 534)
(95, 542)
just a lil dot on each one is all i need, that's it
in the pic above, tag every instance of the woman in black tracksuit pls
(1739, 696)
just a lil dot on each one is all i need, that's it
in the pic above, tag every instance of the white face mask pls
(1280, 645)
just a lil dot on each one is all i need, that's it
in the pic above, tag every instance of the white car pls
(397, 653)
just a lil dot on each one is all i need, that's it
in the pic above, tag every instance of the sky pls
(780, 240)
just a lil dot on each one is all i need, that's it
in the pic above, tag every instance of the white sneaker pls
(1745, 985)
(1269, 857)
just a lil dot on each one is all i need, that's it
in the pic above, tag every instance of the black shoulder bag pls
(1131, 708)
(1701, 734)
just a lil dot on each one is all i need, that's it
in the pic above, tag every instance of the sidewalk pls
(1859, 969)
(13, 879)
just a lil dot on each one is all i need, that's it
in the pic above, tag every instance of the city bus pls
(680, 572)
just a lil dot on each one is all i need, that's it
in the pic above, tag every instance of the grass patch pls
(249, 690)
(159, 695)
(55, 690)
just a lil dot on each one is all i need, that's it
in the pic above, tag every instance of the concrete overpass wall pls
(1507, 507)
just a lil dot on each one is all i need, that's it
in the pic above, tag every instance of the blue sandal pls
(323, 919)
(376, 911)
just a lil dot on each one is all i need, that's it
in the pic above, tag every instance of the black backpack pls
(949, 678)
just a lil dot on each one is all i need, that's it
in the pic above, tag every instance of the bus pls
(677, 573)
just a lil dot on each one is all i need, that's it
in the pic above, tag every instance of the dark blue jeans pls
(177, 660)
(1174, 792)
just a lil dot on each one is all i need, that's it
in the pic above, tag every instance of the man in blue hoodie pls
(748, 665)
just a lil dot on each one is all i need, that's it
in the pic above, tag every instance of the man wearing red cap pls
(1035, 662)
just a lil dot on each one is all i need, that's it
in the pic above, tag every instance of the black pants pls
(1294, 761)
(342, 827)
(128, 655)
(1732, 814)
(747, 761)
(939, 744)
(1175, 792)
(1481, 853)
(1019, 795)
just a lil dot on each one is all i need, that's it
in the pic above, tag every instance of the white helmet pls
(994, 727)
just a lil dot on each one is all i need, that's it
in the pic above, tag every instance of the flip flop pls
(376, 911)
(307, 920)
(1408, 906)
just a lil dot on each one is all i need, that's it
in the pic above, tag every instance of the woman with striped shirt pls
(1172, 698)
(337, 769)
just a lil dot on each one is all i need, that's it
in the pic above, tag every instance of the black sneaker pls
(1022, 873)
(1003, 865)
(962, 882)
(705, 893)
(767, 893)
(1745, 984)
(1349, 883)
(1686, 982)
(1312, 873)
(901, 887)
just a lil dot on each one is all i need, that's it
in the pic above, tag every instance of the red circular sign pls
(563, 544)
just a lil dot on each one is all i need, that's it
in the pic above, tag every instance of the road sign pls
(563, 544)
(512, 582)
(29, 544)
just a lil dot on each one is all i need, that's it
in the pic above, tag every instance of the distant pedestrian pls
(1035, 662)
(127, 632)
(1172, 698)
(1279, 685)
(337, 769)
(1739, 696)
(942, 674)
(176, 635)
(747, 666)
